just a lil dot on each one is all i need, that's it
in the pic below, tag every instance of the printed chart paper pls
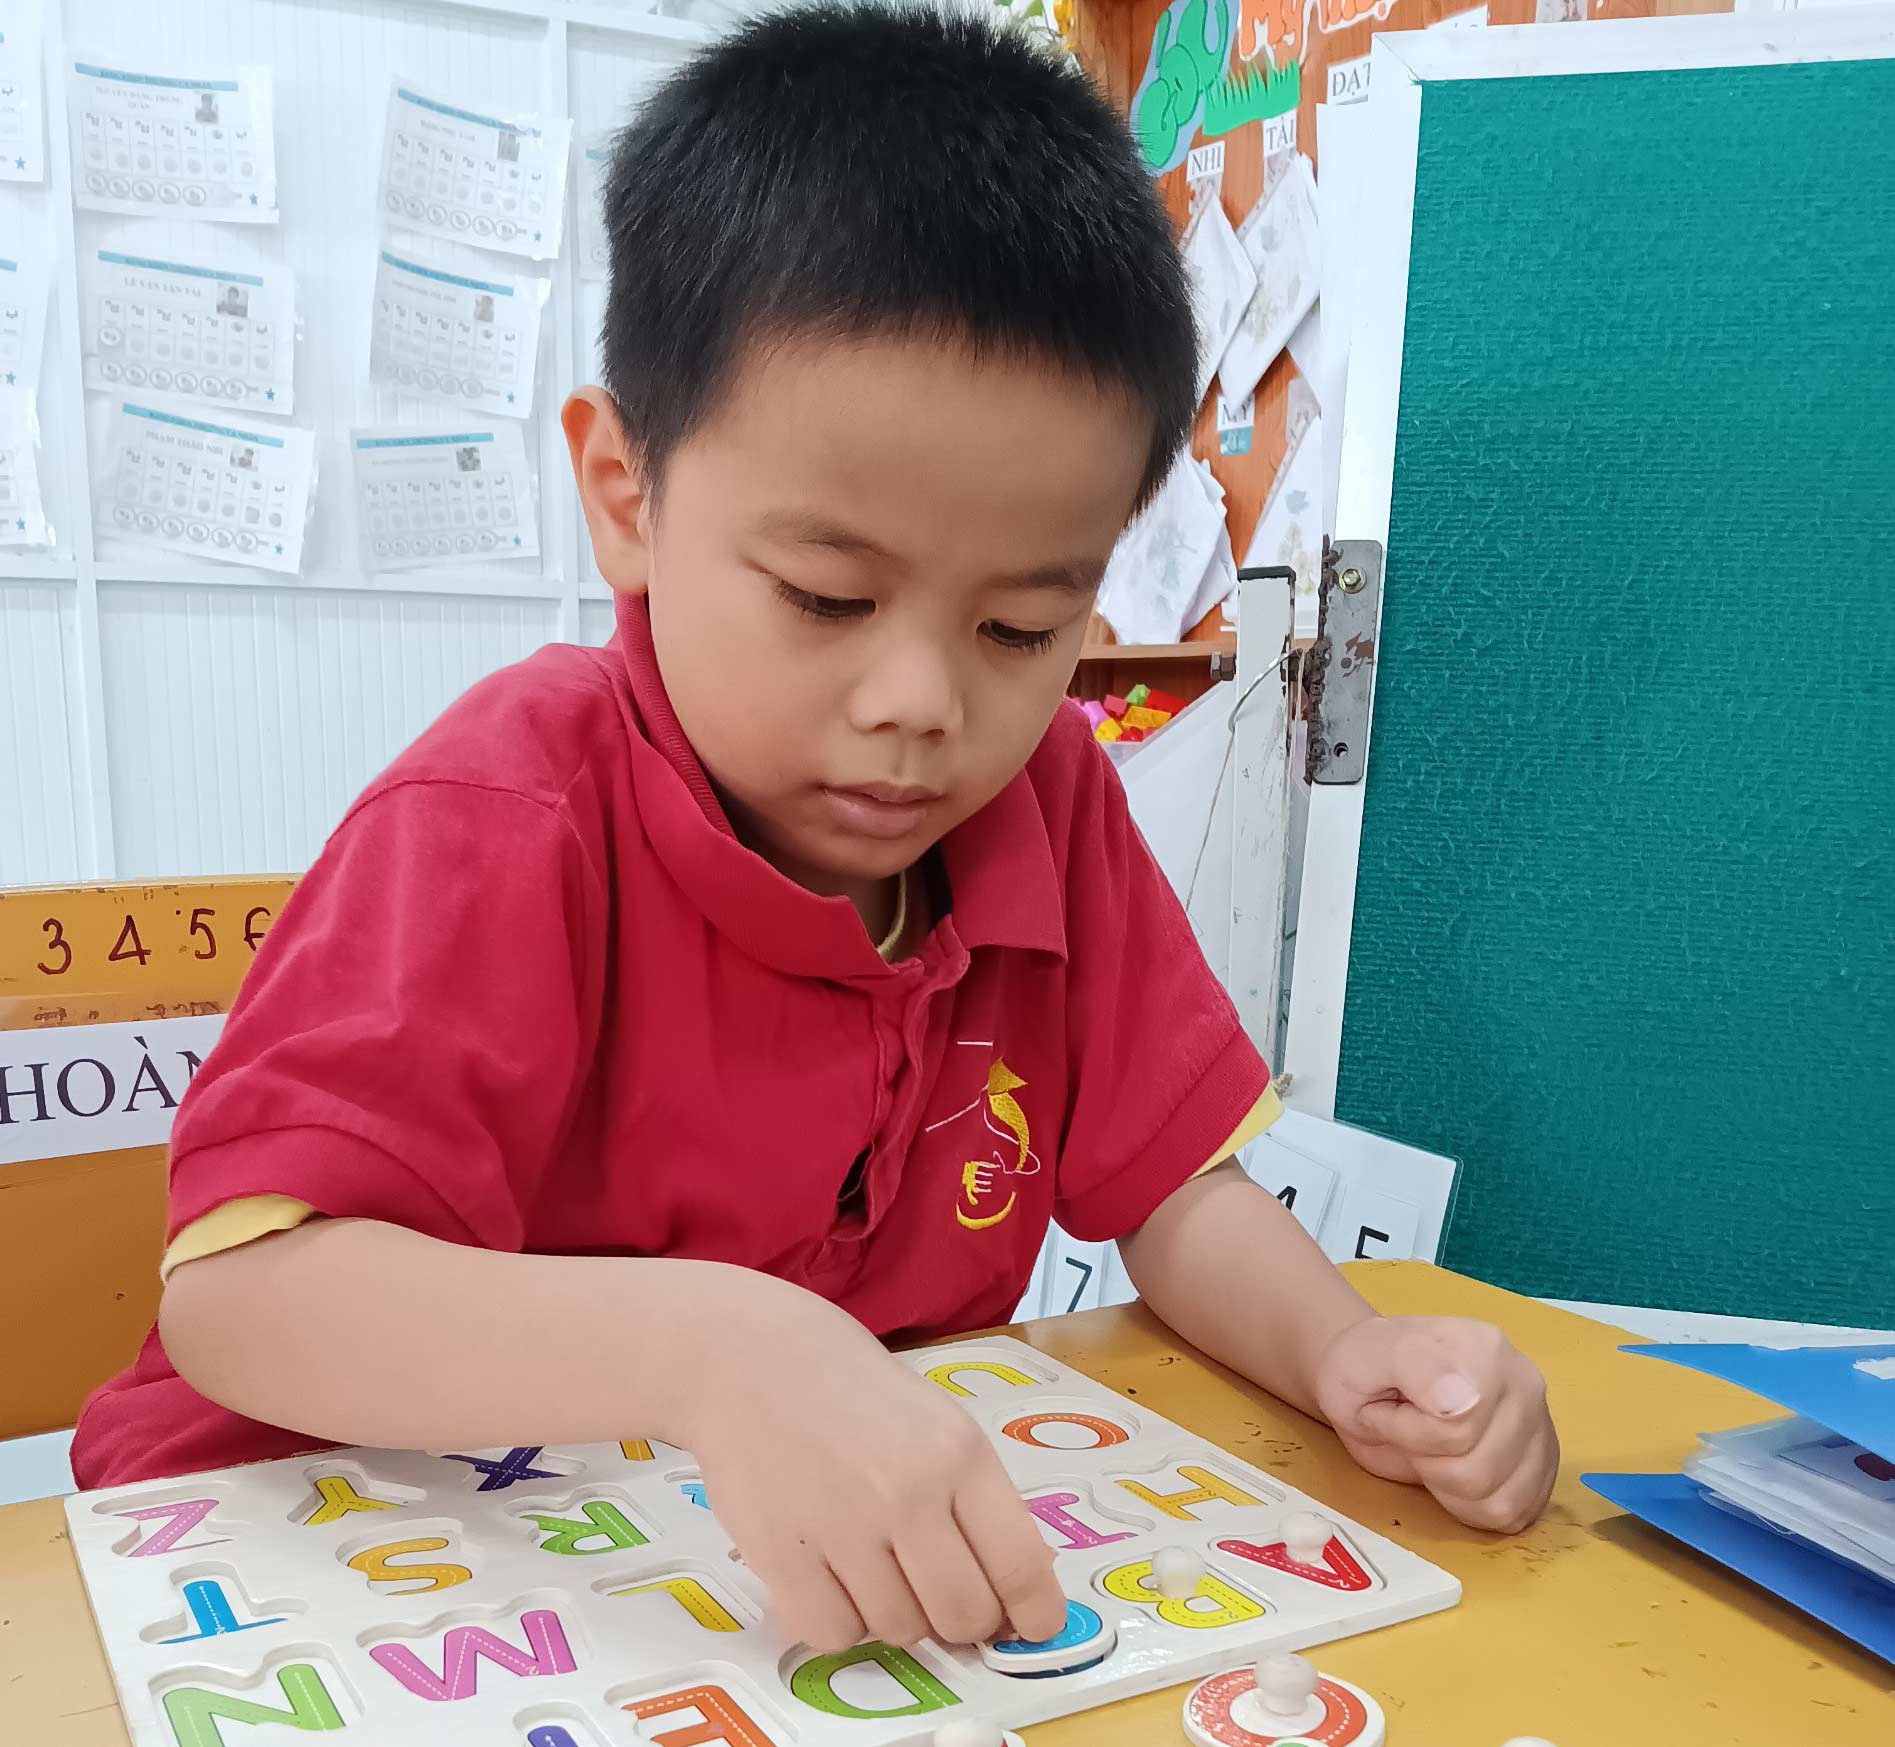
(22, 105)
(191, 145)
(218, 333)
(237, 494)
(474, 341)
(454, 171)
(443, 497)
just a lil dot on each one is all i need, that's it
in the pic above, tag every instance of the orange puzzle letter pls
(724, 1722)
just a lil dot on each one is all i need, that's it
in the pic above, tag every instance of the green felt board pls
(1625, 928)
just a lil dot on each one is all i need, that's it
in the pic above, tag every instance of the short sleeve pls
(1161, 1073)
(409, 1044)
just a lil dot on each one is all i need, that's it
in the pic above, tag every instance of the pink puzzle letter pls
(184, 1518)
(463, 1648)
(1050, 1508)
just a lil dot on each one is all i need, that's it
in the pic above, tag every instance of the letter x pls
(516, 1464)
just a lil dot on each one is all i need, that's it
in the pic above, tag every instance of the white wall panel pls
(41, 730)
(595, 621)
(241, 723)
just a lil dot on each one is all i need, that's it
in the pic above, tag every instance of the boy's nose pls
(910, 686)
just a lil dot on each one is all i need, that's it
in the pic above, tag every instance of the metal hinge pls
(1339, 672)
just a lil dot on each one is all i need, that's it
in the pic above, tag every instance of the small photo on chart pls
(191, 145)
(443, 497)
(23, 289)
(454, 337)
(22, 510)
(22, 107)
(240, 495)
(220, 334)
(496, 181)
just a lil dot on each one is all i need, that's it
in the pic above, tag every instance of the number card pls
(196, 146)
(213, 491)
(496, 181)
(472, 341)
(449, 497)
(212, 333)
(22, 511)
(595, 251)
(22, 107)
(23, 287)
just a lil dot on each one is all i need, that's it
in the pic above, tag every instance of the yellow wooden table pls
(1589, 1630)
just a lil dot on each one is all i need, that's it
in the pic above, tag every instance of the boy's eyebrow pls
(804, 528)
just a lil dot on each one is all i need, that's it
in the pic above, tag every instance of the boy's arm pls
(866, 1499)
(1443, 1401)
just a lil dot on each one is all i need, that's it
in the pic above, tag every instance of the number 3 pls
(56, 942)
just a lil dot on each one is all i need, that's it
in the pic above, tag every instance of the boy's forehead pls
(897, 442)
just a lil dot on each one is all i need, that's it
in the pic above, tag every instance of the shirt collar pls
(999, 862)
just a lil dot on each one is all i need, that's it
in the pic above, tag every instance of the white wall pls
(163, 717)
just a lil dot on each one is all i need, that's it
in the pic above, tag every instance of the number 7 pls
(1085, 1278)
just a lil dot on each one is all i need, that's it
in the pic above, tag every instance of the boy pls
(675, 1019)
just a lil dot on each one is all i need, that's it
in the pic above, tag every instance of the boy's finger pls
(813, 1605)
(1006, 1541)
(948, 1580)
(881, 1594)
(1414, 1431)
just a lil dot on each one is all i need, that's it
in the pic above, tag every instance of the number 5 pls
(200, 926)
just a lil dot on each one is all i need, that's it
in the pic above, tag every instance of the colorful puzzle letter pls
(720, 1721)
(375, 1563)
(945, 1375)
(605, 1529)
(814, 1683)
(192, 1711)
(547, 1652)
(1206, 1488)
(1230, 1607)
(694, 1597)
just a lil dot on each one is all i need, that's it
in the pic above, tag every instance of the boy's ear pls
(611, 489)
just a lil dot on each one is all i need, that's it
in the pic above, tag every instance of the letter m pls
(547, 1652)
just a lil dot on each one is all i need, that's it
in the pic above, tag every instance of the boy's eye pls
(822, 606)
(1012, 637)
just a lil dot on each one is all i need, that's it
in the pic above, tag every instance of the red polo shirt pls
(536, 996)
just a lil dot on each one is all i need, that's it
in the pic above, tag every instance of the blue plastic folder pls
(1823, 1384)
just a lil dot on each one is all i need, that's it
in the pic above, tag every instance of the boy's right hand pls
(863, 1495)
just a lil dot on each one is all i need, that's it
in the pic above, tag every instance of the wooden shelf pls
(1186, 670)
(1139, 653)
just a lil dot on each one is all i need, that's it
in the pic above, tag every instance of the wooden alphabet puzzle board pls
(586, 1596)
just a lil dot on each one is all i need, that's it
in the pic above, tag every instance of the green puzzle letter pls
(193, 1711)
(604, 1523)
(813, 1683)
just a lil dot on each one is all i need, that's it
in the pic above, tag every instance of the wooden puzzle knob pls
(1285, 1684)
(1176, 1572)
(1306, 1534)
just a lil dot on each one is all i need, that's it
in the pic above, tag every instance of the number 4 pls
(139, 950)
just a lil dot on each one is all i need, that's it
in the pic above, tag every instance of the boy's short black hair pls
(854, 170)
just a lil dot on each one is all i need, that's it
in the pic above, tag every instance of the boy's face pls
(870, 574)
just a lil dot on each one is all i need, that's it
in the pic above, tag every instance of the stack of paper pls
(1173, 564)
(1804, 1506)
(1801, 1478)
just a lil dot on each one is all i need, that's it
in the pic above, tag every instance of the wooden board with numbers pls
(80, 1233)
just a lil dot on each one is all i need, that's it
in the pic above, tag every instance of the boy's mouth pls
(883, 810)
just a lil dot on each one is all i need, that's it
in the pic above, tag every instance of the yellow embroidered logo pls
(983, 1180)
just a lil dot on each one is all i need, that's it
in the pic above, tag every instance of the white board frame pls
(1402, 63)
